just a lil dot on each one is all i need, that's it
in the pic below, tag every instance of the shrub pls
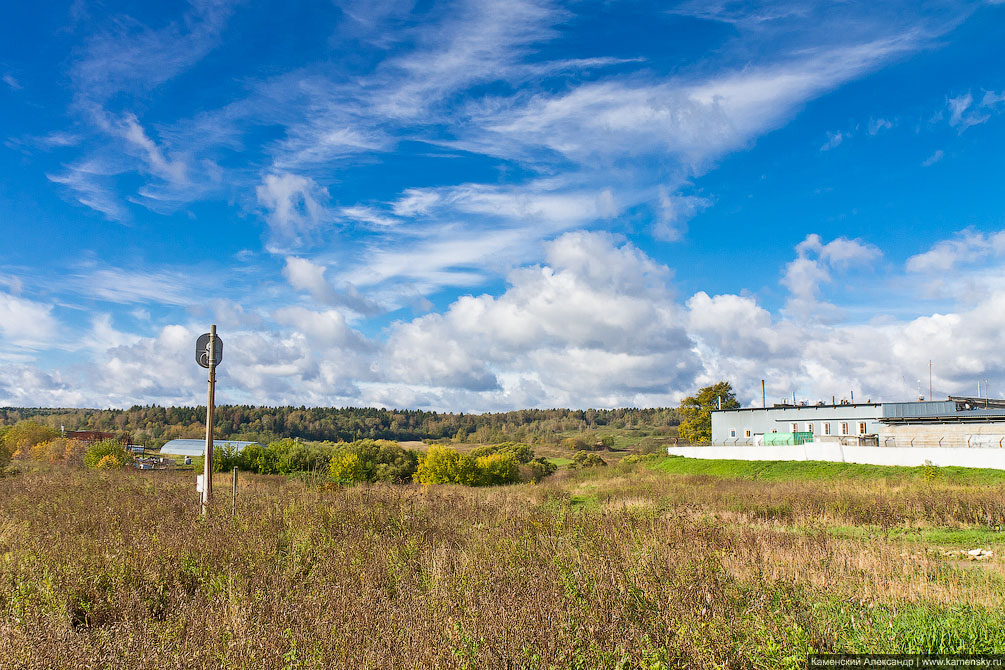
(585, 459)
(347, 467)
(442, 465)
(60, 451)
(522, 452)
(651, 445)
(106, 454)
(539, 468)
(576, 444)
(496, 469)
(632, 459)
(24, 435)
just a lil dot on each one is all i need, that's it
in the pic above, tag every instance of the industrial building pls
(958, 431)
(955, 422)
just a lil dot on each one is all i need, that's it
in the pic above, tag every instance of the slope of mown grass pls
(795, 470)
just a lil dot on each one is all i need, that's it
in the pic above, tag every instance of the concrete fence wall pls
(910, 456)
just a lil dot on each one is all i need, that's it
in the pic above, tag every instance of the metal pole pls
(930, 380)
(764, 402)
(233, 496)
(207, 466)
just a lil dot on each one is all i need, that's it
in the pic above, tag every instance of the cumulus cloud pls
(597, 323)
(598, 315)
(813, 266)
(26, 324)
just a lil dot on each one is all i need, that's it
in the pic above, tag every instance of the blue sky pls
(492, 205)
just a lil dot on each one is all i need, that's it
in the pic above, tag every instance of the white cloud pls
(674, 213)
(833, 141)
(878, 125)
(325, 330)
(964, 112)
(127, 55)
(129, 286)
(170, 170)
(12, 82)
(368, 215)
(933, 159)
(812, 267)
(26, 324)
(91, 188)
(597, 324)
(305, 275)
(967, 247)
(597, 316)
(296, 209)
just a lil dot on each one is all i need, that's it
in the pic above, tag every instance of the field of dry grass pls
(618, 567)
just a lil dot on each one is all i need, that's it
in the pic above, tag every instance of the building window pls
(844, 428)
(794, 427)
(827, 429)
(732, 433)
(809, 427)
(861, 427)
(746, 433)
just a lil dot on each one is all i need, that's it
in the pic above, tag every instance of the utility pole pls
(930, 379)
(207, 467)
(764, 402)
(208, 354)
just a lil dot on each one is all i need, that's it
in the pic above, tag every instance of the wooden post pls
(207, 467)
(233, 496)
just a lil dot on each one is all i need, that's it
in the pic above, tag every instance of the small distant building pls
(92, 436)
(198, 447)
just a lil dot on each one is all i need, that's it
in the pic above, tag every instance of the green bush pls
(23, 435)
(650, 445)
(522, 452)
(586, 459)
(346, 466)
(106, 454)
(498, 468)
(443, 465)
(539, 468)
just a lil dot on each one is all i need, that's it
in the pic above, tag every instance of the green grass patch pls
(916, 629)
(795, 470)
(957, 538)
(560, 461)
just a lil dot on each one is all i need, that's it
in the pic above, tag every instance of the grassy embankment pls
(672, 563)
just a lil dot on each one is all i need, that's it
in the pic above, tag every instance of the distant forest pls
(154, 425)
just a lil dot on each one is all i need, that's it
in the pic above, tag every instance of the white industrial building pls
(958, 431)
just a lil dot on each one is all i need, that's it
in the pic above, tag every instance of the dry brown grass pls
(116, 570)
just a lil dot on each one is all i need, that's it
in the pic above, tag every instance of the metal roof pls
(798, 407)
(198, 447)
(954, 409)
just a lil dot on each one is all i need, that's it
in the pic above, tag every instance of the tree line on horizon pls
(154, 425)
